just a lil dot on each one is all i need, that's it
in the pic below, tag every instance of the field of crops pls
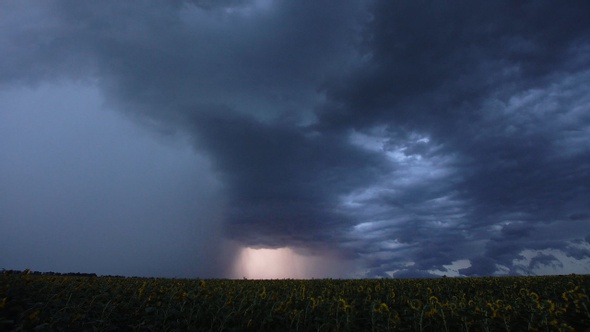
(73, 303)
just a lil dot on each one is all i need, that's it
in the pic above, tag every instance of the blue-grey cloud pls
(406, 135)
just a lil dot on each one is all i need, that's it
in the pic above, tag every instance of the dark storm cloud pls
(409, 135)
(244, 85)
(500, 88)
(430, 62)
(265, 59)
(284, 184)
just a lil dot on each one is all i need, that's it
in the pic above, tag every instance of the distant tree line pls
(27, 271)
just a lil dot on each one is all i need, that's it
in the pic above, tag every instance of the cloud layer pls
(407, 136)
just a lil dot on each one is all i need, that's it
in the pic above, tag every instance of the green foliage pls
(54, 303)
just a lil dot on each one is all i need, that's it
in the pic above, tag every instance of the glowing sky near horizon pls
(280, 263)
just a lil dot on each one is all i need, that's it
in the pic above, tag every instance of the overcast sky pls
(357, 138)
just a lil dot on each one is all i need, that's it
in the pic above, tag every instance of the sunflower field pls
(72, 303)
